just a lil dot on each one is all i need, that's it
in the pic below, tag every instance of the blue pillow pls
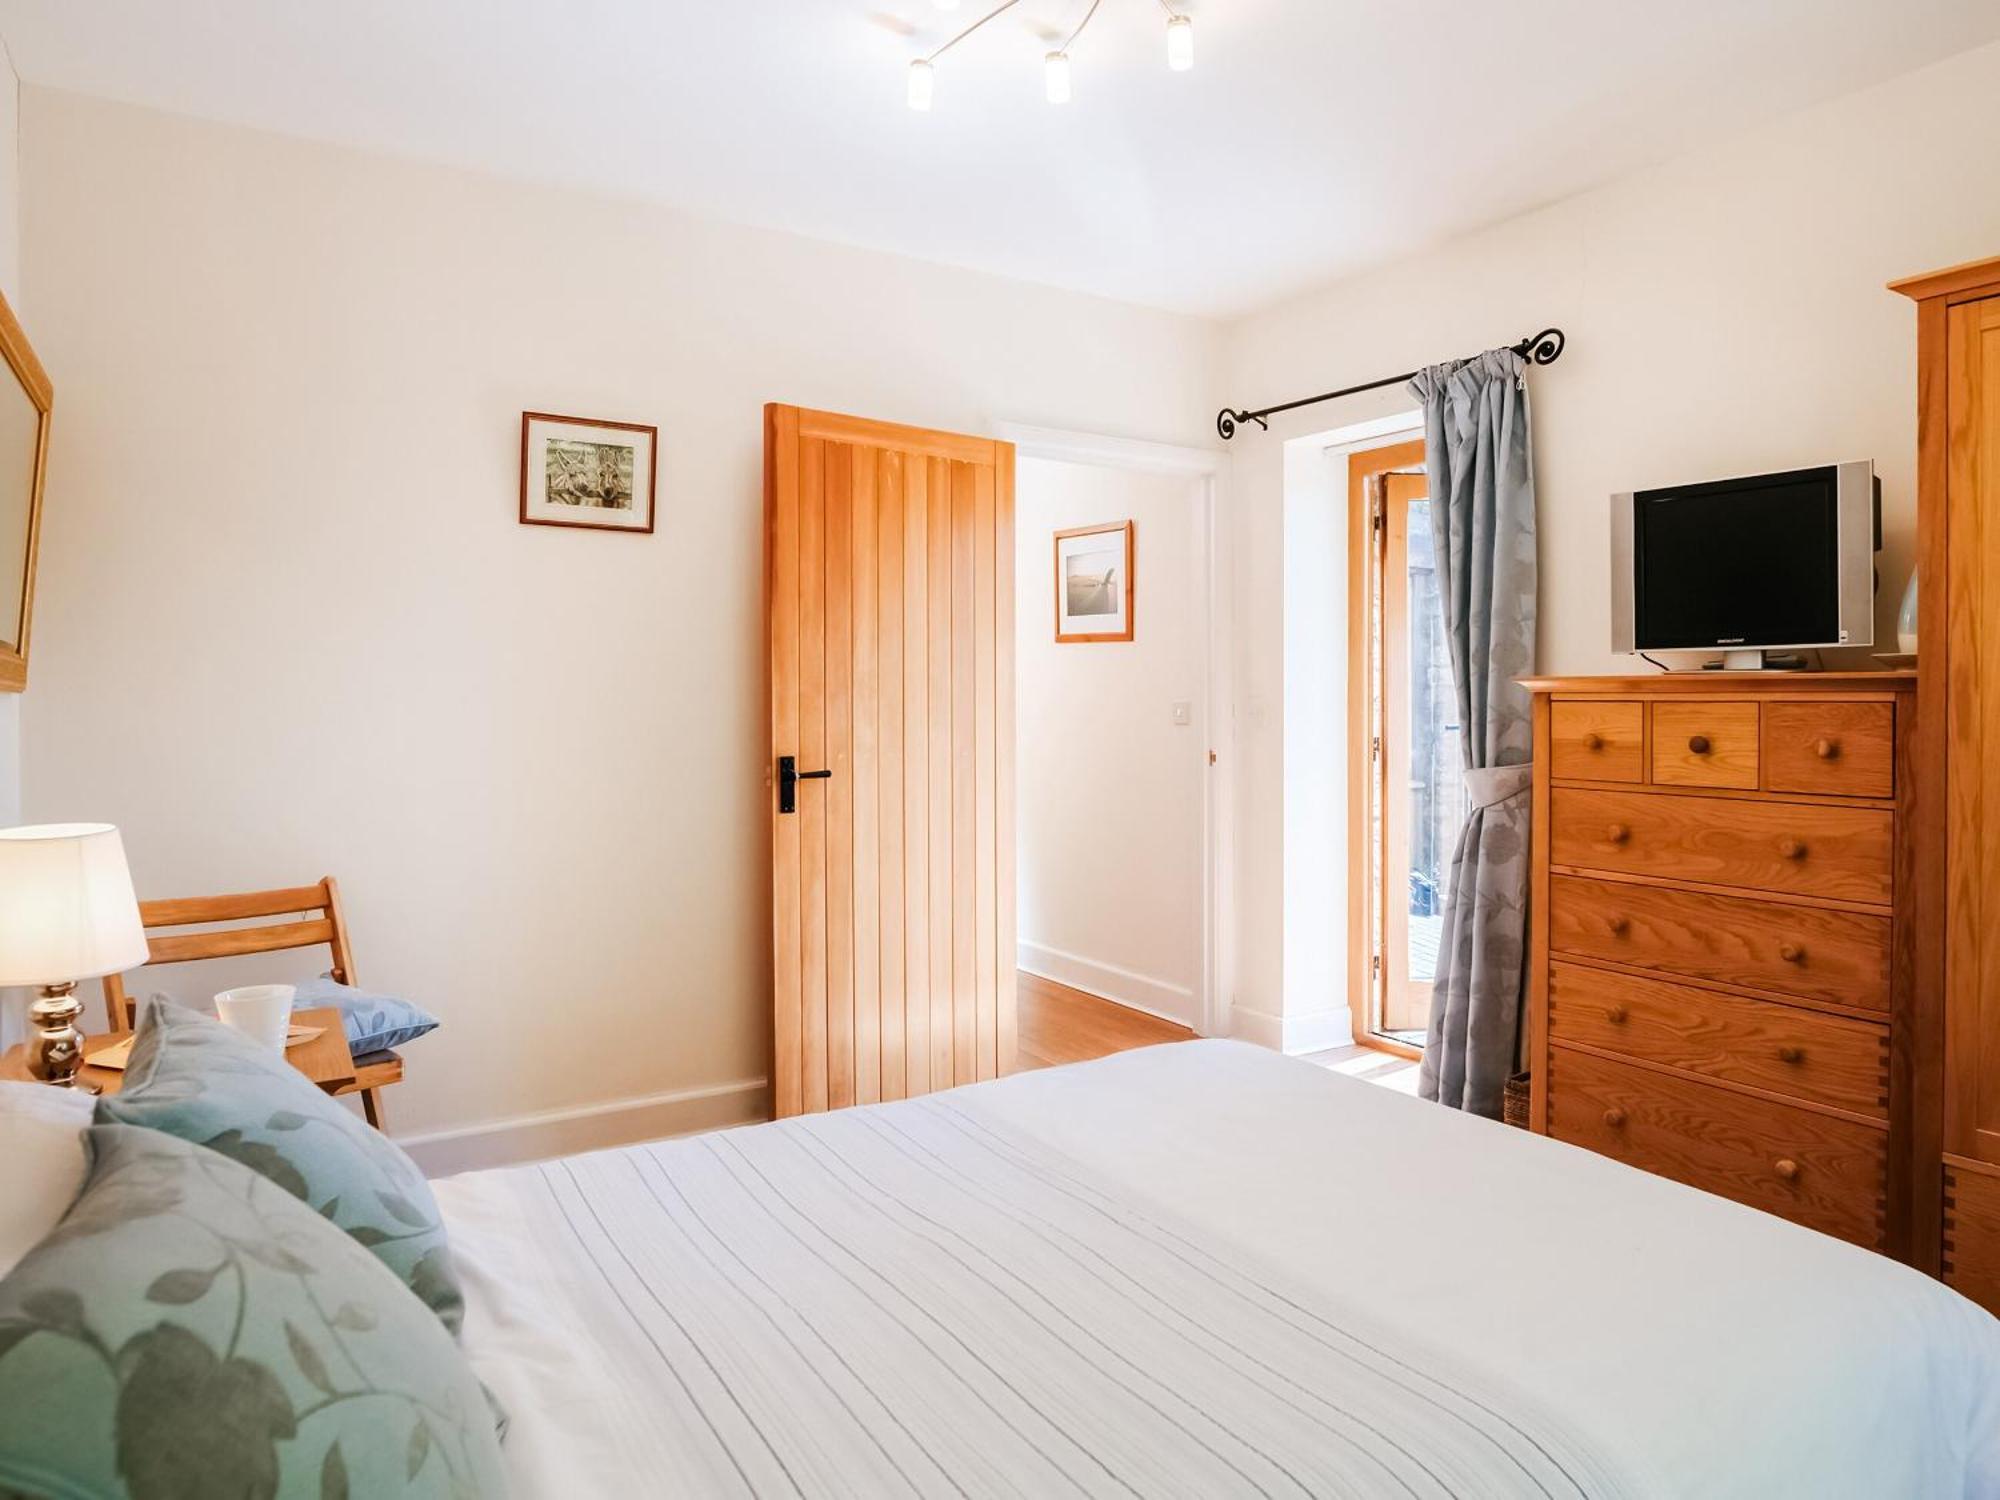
(374, 1023)
(193, 1077)
(189, 1329)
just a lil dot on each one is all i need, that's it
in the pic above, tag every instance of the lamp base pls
(55, 1051)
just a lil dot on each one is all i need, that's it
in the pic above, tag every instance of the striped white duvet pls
(937, 1298)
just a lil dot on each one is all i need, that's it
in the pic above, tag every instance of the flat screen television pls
(1772, 562)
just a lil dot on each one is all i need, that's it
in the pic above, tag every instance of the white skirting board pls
(1156, 997)
(1294, 1035)
(589, 1127)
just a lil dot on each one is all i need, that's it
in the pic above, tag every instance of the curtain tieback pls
(1489, 786)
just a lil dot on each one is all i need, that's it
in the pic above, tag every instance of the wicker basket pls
(1515, 1108)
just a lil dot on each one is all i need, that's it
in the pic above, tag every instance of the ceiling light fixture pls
(1055, 66)
(1055, 74)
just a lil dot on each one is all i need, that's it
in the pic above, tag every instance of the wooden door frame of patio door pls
(1205, 467)
(1365, 765)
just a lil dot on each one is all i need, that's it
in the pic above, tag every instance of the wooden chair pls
(317, 906)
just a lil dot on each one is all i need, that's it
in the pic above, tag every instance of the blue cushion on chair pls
(374, 1023)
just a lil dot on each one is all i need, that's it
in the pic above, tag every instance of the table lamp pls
(67, 912)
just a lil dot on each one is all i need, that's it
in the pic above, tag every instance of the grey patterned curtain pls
(1482, 487)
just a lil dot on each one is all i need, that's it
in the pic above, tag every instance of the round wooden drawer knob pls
(1615, 1015)
(1791, 1054)
(1786, 1168)
(1792, 849)
(1593, 742)
(1698, 743)
(1619, 926)
(1791, 953)
(1618, 833)
(1614, 1118)
(1827, 749)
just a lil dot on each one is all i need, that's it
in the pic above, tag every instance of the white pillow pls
(41, 1141)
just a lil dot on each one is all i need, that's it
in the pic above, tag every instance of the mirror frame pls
(20, 356)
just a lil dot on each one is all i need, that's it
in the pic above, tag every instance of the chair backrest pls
(316, 908)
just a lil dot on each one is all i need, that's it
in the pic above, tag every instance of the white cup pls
(262, 1012)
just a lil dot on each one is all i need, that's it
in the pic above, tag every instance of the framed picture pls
(576, 472)
(1094, 583)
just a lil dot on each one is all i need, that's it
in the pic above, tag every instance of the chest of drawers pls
(1720, 962)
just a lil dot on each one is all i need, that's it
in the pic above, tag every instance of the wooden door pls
(1412, 892)
(890, 597)
(1972, 706)
(1398, 797)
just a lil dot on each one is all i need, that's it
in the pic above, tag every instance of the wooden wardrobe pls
(1957, 760)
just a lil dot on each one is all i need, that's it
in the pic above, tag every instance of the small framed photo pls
(576, 472)
(1094, 583)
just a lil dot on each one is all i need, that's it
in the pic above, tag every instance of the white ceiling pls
(1314, 137)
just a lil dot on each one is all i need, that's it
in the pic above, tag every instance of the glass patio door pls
(1420, 782)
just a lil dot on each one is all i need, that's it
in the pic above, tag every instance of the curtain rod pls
(1544, 348)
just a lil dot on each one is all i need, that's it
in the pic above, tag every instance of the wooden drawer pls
(1597, 741)
(1972, 1235)
(1838, 749)
(1841, 852)
(1814, 1169)
(1800, 1053)
(1705, 744)
(1841, 958)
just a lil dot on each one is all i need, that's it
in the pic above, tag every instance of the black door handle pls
(789, 777)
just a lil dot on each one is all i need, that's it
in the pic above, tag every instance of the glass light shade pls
(1180, 43)
(67, 910)
(921, 78)
(1906, 618)
(1055, 73)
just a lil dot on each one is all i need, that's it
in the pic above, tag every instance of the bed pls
(1199, 1269)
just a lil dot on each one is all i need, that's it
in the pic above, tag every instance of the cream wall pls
(289, 624)
(1726, 314)
(10, 284)
(1107, 785)
(283, 539)
(12, 1002)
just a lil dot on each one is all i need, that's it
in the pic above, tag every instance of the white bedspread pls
(1194, 1270)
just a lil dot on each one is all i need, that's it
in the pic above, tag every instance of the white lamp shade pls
(67, 910)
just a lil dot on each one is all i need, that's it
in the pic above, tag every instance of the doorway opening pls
(1403, 719)
(1114, 745)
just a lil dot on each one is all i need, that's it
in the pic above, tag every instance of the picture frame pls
(26, 399)
(1095, 576)
(589, 473)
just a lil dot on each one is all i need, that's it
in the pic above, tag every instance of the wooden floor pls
(1062, 1025)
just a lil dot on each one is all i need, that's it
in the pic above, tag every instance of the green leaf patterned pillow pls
(189, 1330)
(193, 1077)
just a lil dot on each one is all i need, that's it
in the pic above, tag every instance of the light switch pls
(1183, 713)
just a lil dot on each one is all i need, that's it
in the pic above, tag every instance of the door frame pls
(1207, 467)
(1366, 768)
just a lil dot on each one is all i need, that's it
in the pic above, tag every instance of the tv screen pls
(1739, 562)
